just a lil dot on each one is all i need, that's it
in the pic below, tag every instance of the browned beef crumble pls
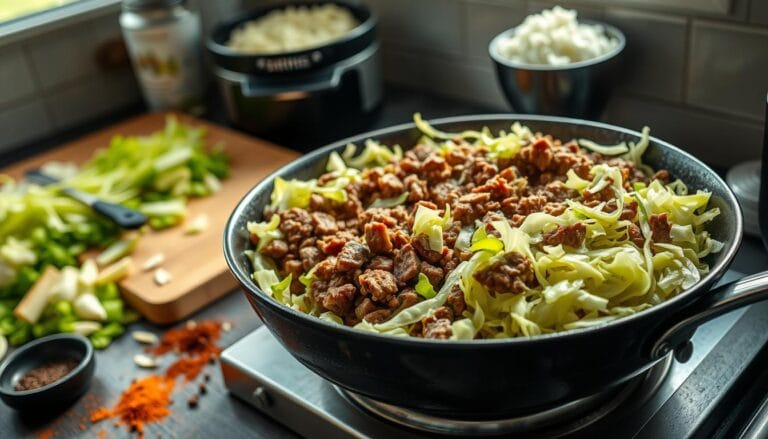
(510, 274)
(660, 228)
(572, 235)
(366, 260)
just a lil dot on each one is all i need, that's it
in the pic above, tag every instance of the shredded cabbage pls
(608, 276)
(424, 287)
(390, 202)
(373, 154)
(429, 222)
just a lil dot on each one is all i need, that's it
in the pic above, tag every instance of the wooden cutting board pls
(196, 262)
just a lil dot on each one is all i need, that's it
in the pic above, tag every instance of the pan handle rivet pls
(261, 398)
(684, 352)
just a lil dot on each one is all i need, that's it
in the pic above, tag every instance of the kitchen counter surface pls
(218, 414)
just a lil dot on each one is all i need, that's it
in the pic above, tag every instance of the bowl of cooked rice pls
(555, 64)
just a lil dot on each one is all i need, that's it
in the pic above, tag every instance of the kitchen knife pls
(120, 215)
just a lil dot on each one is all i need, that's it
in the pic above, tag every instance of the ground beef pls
(382, 263)
(275, 249)
(310, 256)
(378, 316)
(572, 235)
(509, 275)
(377, 238)
(436, 328)
(660, 228)
(296, 225)
(366, 261)
(365, 307)
(378, 284)
(326, 269)
(434, 274)
(331, 245)
(456, 301)
(435, 169)
(406, 298)
(417, 189)
(352, 256)
(421, 244)
(629, 212)
(407, 264)
(662, 175)
(339, 299)
(324, 224)
(635, 235)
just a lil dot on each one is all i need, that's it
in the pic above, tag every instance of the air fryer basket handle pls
(330, 81)
(723, 299)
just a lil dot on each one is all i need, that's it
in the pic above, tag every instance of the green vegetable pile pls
(41, 228)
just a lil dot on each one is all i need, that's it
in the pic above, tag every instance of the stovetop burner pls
(699, 397)
(559, 421)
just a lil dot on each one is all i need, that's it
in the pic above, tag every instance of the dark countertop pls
(219, 414)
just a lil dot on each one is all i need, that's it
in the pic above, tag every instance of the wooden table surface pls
(217, 415)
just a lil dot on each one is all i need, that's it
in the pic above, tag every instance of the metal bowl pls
(579, 89)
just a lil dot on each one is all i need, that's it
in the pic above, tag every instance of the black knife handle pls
(122, 216)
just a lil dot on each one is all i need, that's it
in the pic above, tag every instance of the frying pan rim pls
(230, 235)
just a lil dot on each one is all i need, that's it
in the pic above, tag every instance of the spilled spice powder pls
(148, 399)
(190, 367)
(145, 401)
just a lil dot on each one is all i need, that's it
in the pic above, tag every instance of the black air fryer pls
(306, 98)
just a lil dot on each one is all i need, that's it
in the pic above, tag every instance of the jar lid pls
(142, 5)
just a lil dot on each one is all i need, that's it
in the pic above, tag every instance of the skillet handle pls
(723, 299)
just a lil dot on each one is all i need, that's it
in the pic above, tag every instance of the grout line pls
(702, 111)
(39, 90)
(686, 79)
(464, 27)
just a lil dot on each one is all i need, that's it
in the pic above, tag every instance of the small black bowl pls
(36, 353)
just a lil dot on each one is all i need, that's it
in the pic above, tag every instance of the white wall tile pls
(758, 12)
(64, 55)
(15, 76)
(106, 27)
(585, 10)
(92, 97)
(23, 123)
(655, 53)
(721, 9)
(714, 139)
(435, 25)
(728, 68)
(487, 19)
(443, 76)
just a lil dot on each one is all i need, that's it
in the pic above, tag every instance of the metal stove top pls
(718, 393)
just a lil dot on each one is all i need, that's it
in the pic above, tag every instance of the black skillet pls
(485, 379)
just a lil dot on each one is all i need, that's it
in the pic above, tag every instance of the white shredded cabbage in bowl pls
(555, 37)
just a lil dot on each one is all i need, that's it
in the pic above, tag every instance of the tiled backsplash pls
(52, 81)
(697, 77)
(699, 81)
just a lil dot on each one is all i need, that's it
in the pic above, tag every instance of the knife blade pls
(119, 214)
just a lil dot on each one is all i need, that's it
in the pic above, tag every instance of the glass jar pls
(164, 41)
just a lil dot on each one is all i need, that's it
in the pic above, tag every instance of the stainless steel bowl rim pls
(230, 234)
(612, 31)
